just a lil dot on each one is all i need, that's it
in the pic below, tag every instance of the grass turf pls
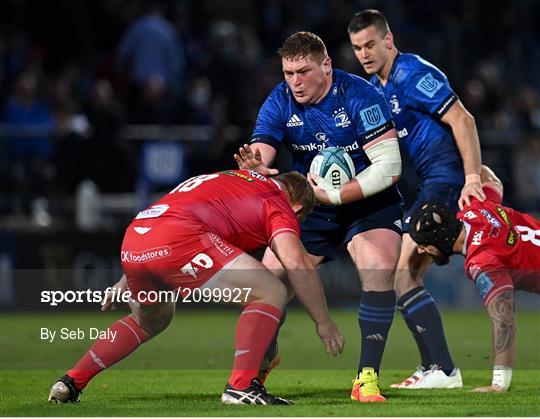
(183, 371)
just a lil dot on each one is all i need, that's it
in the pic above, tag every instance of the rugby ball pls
(334, 165)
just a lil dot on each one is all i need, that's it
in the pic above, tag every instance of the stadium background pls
(89, 134)
(95, 124)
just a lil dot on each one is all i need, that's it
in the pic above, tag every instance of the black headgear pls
(435, 224)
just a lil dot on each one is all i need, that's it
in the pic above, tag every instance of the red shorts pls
(172, 255)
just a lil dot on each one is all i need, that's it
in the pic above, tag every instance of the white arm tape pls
(502, 376)
(385, 166)
(334, 195)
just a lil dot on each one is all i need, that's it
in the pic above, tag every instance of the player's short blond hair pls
(299, 191)
(302, 44)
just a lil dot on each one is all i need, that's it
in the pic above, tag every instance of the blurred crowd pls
(74, 74)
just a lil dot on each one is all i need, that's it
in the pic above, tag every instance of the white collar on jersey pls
(467, 231)
(277, 183)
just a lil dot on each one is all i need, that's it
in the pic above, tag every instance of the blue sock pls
(422, 316)
(375, 317)
(425, 357)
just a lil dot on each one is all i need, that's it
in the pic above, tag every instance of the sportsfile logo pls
(145, 255)
(295, 121)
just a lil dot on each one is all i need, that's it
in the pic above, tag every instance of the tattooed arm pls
(501, 311)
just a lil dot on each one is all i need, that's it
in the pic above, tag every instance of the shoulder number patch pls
(372, 117)
(428, 85)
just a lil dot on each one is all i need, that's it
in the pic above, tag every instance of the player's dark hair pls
(435, 224)
(367, 18)
(299, 191)
(302, 44)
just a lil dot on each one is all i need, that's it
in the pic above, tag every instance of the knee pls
(273, 292)
(402, 281)
(155, 323)
(155, 329)
(279, 294)
(376, 279)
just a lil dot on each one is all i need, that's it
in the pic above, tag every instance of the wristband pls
(334, 196)
(502, 376)
(473, 177)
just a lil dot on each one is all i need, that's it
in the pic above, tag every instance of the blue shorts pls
(328, 227)
(434, 191)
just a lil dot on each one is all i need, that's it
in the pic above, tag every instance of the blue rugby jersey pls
(419, 95)
(352, 114)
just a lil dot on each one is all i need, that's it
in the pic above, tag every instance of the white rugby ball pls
(334, 165)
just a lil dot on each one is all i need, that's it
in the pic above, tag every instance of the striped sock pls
(255, 329)
(107, 352)
(375, 317)
(422, 316)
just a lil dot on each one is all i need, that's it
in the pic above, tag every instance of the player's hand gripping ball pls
(334, 165)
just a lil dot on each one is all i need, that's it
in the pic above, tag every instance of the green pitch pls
(183, 371)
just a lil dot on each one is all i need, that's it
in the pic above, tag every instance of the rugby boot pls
(64, 391)
(436, 378)
(366, 387)
(413, 379)
(254, 394)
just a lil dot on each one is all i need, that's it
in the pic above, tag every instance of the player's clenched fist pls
(331, 336)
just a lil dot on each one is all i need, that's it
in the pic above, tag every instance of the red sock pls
(254, 331)
(105, 353)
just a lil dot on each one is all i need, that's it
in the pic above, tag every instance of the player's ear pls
(327, 65)
(389, 40)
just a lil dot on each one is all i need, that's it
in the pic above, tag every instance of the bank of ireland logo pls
(394, 103)
(322, 137)
(341, 118)
(372, 117)
(428, 85)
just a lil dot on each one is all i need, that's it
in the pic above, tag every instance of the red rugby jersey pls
(502, 247)
(243, 207)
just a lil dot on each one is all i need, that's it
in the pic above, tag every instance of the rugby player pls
(440, 136)
(502, 253)
(199, 236)
(315, 107)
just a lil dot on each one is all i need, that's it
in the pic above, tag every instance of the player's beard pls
(441, 259)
